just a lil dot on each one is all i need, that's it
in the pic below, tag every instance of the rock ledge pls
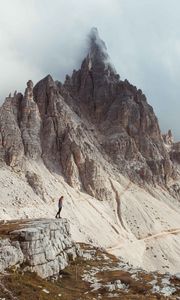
(43, 246)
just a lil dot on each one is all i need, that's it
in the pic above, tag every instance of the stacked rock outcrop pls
(41, 246)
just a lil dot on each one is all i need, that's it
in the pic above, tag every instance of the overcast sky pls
(40, 37)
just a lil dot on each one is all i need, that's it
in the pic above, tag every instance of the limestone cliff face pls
(41, 246)
(19, 128)
(11, 144)
(91, 128)
(68, 142)
(30, 124)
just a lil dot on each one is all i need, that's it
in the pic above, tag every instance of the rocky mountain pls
(93, 137)
(127, 126)
(123, 125)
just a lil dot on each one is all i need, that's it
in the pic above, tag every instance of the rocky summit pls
(97, 141)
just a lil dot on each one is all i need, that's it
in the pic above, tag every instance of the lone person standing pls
(59, 206)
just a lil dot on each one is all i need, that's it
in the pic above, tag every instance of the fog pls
(40, 37)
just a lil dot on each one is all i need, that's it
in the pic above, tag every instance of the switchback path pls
(149, 237)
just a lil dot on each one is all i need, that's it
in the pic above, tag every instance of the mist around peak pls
(97, 50)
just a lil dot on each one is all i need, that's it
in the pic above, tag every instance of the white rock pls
(168, 291)
(153, 282)
(9, 255)
(156, 289)
(111, 287)
(165, 281)
(44, 245)
(45, 291)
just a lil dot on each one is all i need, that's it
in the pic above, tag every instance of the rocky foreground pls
(40, 246)
(36, 249)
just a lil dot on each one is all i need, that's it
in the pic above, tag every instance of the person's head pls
(61, 198)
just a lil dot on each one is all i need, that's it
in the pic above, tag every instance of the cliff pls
(41, 246)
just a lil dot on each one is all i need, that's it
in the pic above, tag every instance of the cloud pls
(142, 37)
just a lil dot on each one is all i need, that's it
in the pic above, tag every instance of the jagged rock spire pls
(29, 91)
(97, 47)
(98, 57)
(168, 138)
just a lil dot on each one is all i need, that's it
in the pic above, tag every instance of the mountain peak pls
(95, 40)
(97, 47)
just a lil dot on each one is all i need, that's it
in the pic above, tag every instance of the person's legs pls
(59, 211)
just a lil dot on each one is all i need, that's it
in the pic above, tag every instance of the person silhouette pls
(60, 204)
